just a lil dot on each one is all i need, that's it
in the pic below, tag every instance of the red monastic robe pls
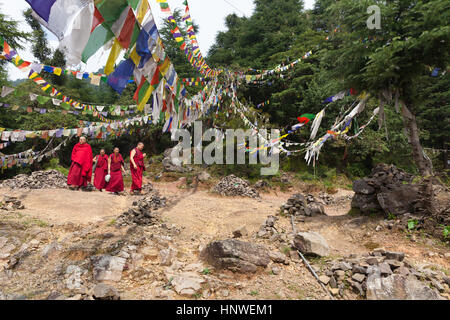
(115, 184)
(101, 170)
(136, 174)
(81, 169)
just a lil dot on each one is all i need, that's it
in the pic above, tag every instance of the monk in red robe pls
(137, 167)
(101, 170)
(80, 172)
(115, 169)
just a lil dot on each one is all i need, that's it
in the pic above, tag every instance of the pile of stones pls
(268, 228)
(382, 275)
(233, 186)
(11, 203)
(143, 212)
(51, 179)
(326, 198)
(387, 189)
(299, 205)
(148, 188)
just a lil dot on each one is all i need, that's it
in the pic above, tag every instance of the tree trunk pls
(410, 123)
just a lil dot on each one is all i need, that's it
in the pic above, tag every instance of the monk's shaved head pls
(82, 139)
(140, 145)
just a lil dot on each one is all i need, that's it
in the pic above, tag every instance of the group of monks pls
(80, 173)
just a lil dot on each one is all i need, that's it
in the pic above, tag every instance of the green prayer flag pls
(133, 3)
(99, 37)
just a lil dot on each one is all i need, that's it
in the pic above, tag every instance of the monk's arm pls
(133, 153)
(109, 165)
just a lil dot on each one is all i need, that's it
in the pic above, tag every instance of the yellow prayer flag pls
(135, 57)
(142, 10)
(57, 71)
(144, 100)
(113, 55)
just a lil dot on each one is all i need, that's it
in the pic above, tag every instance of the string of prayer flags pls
(263, 104)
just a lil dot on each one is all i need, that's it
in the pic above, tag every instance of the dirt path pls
(60, 206)
(202, 217)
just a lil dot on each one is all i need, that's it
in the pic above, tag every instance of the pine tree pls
(413, 36)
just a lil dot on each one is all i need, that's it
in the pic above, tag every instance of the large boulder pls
(362, 187)
(387, 189)
(366, 203)
(311, 243)
(237, 256)
(400, 200)
(398, 287)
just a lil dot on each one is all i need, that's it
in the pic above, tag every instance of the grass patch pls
(371, 245)
(54, 165)
(206, 271)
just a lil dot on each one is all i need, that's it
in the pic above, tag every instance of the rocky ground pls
(182, 243)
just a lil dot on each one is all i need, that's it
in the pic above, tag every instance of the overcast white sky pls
(208, 14)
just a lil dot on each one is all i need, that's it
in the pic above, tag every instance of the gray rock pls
(361, 186)
(277, 257)
(366, 203)
(107, 268)
(345, 266)
(324, 279)
(399, 200)
(166, 256)
(372, 261)
(446, 280)
(340, 275)
(358, 277)
(333, 283)
(240, 232)
(50, 249)
(399, 256)
(73, 277)
(394, 264)
(235, 255)
(359, 269)
(385, 269)
(186, 284)
(311, 243)
(398, 287)
(56, 296)
(6, 251)
(275, 270)
(105, 292)
(403, 271)
(357, 288)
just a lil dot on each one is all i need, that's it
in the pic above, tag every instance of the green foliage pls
(412, 224)
(40, 47)
(446, 232)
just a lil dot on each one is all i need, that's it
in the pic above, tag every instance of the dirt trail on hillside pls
(80, 219)
(62, 205)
